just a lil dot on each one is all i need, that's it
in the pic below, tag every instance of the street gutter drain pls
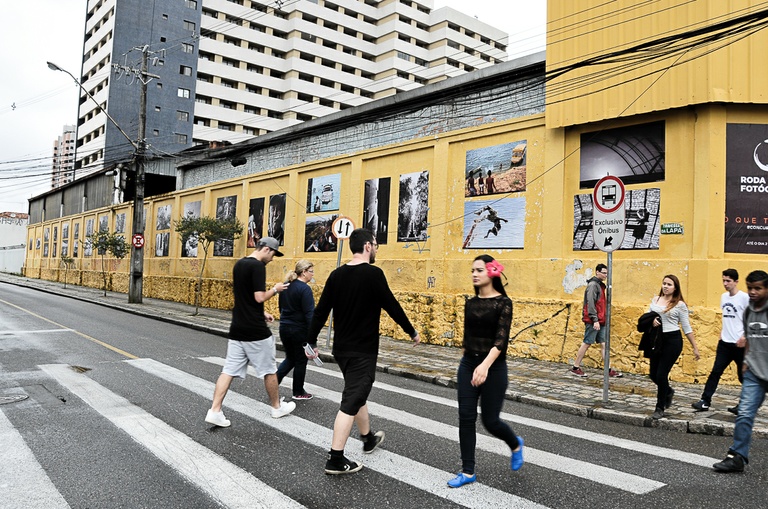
(12, 399)
(79, 369)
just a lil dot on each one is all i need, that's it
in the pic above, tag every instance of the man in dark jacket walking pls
(593, 317)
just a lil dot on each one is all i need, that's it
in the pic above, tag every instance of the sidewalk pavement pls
(546, 384)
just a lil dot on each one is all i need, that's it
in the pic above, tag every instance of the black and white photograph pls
(413, 207)
(376, 208)
(642, 225)
(104, 223)
(37, 243)
(635, 154)
(64, 247)
(318, 236)
(499, 169)
(226, 208)
(55, 233)
(161, 243)
(276, 224)
(64, 231)
(255, 221)
(120, 223)
(45, 250)
(75, 240)
(88, 247)
(494, 224)
(323, 193)
(163, 221)
(55, 250)
(189, 243)
(46, 234)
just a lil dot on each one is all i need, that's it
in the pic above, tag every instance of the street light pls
(136, 280)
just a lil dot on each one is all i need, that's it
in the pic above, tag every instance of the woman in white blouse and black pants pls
(671, 307)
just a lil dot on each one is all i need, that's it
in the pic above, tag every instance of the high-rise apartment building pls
(63, 165)
(229, 70)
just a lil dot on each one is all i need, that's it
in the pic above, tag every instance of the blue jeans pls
(491, 396)
(753, 391)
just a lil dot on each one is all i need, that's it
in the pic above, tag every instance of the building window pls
(187, 48)
(157, 108)
(404, 56)
(183, 92)
(188, 25)
(182, 116)
(181, 138)
(185, 70)
(192, 4)
(159, 86)
(156, 132)
(162, 39)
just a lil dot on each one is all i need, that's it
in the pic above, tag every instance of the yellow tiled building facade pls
(650, 90)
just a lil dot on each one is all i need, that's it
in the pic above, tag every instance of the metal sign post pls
(341, 228)
(608, 226)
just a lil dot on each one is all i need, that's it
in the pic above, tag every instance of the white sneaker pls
(217, 419)
(284, 409)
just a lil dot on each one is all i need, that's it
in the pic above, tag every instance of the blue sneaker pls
(516, 462)
(461, 479)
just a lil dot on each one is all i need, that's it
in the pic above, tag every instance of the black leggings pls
(661, 364)
(491, 396)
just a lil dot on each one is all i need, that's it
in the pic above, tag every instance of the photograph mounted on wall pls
(161, 243)
(413, 207)
(276, 219)
(88, 245)
(746, 182)
(376, 208)
(318, 236)
(635, 154)
(120, 223)
(642, 225)
(499, 169)
(163, 221)
(226, 209)
(255, 221)
(494, 224)
(323, 193)
(189, 243)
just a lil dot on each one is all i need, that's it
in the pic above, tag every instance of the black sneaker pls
(734, 409)
(733, 462)
(342, 466)
(373, 442)
(670, 395)
(658, 414)
(700, 405)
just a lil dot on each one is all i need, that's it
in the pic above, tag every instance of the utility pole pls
(136, 281)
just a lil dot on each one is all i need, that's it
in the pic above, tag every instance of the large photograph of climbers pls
(642, 226)
(318, 234)
(746, 182)
(323, 193)
(499, 169)
(494, 224)
(635, 154)
(376, 208)
(413, 207)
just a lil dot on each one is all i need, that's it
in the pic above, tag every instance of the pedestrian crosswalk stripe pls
(23, 482)
(591, 436)
(400, 468)
(229, 484)
(595, 473)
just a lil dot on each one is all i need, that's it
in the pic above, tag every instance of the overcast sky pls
(35, 102)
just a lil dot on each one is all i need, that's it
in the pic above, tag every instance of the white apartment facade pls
(63, 164)
(262, 66)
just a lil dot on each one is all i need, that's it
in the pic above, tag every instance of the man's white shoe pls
(284, 409)
(217, 419)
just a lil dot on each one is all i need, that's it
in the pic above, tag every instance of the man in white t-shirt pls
(730, 348)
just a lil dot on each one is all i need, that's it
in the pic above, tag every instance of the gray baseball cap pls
(272, 244)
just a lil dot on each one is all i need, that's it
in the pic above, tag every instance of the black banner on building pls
(746, 189)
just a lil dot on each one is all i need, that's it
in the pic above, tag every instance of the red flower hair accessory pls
(494, 268)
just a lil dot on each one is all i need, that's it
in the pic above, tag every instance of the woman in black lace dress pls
(482, 371)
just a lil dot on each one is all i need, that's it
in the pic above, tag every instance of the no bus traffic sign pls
(608, 217)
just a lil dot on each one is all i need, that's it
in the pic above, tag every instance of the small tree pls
(207, 230)
(106, 242)
(69, 263)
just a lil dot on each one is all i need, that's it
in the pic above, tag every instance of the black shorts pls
(359, 374)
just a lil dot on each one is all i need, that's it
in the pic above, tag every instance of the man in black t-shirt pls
(250, 340)
(357, 292)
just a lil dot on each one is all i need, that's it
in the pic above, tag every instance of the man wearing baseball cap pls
(250, 340)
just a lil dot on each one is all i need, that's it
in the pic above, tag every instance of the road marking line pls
(622, 443)
(86, 336)
(229, 484)
(23, 482)
(591, 472)
(405, 470)
(42, 331)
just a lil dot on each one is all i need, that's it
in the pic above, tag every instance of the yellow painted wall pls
(656, 78)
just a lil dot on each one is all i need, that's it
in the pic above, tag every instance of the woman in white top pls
(673, 313)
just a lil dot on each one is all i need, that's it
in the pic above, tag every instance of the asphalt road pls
(114, 418)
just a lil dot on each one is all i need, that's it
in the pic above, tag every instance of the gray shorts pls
(260, 354)
(592, 336)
